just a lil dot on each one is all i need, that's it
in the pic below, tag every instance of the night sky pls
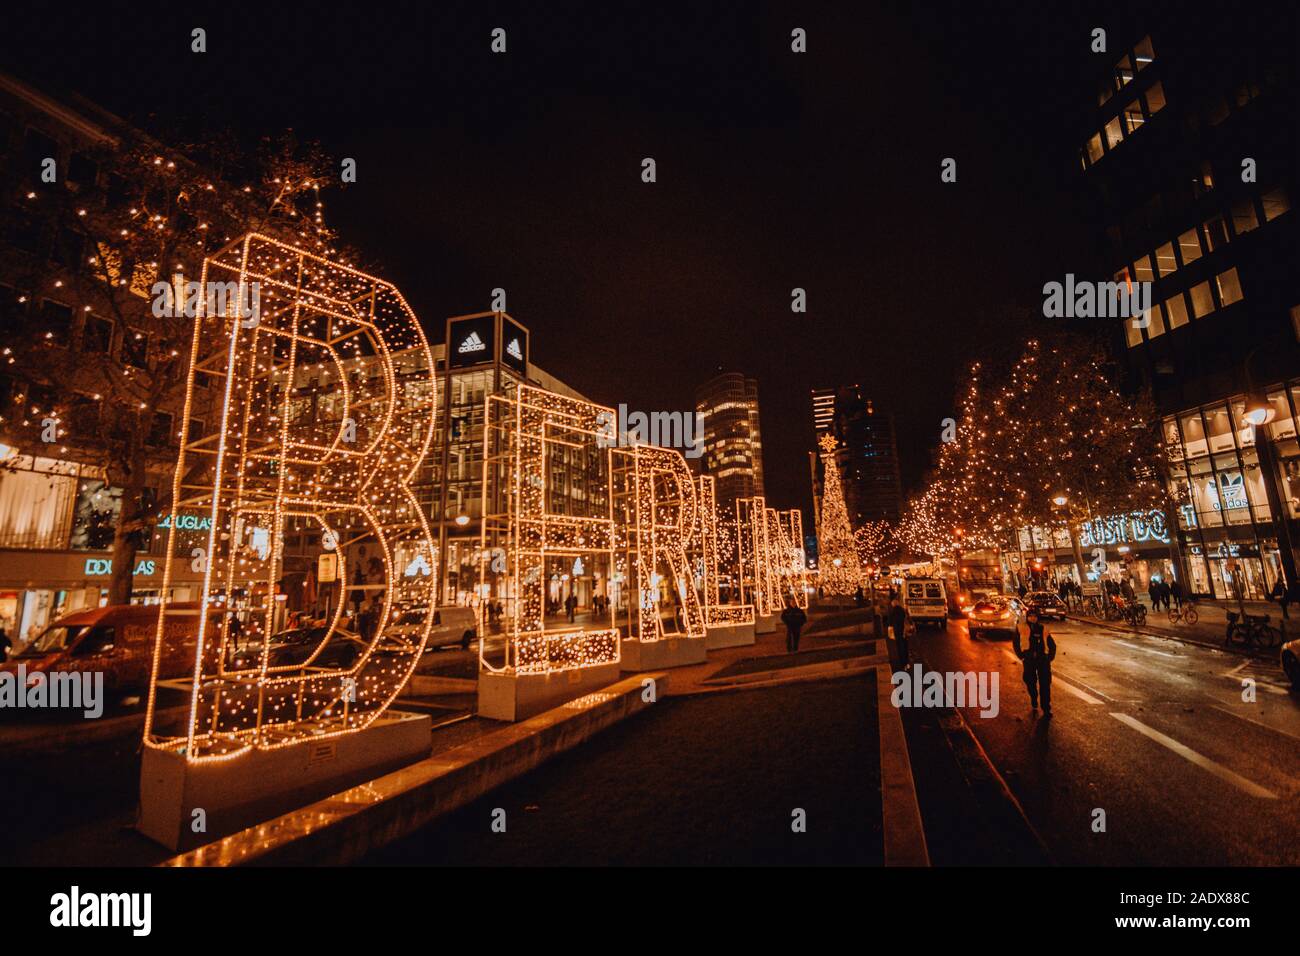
(775, 170)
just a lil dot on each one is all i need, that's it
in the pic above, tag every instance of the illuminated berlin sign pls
(1120, 529)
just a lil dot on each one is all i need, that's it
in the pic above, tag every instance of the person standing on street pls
(570, 605)
(1281, 594)
(5, 645)
(1037, 660)
(898, 625)
(794, 619)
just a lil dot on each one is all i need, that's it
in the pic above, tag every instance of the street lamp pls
(1259, 411)
(1061, 499)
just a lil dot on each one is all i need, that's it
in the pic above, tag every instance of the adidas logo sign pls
(513, 350)
(471, 344)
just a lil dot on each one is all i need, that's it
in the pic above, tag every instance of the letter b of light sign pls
(333, 346)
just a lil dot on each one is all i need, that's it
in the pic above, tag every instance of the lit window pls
(1155, 99)
(1189, 246)
(1134, 335)
(1243, 217)
(1142, 269)
(1133, 117)
(1216, 234)
(1123, 73)
(1275, 203)
(1206, 178)
(1229, 287)
(1094, 148)
(1143, 53)
(1113, 135)
(1165, 263)
(1202, 301)
(1156, 322)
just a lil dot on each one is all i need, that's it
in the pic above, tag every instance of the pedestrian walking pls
(898, 625)
(570, 605)
(1037, 659)
(1280, 593)
(794, 619)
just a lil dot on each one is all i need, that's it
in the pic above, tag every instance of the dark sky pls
(775, 170)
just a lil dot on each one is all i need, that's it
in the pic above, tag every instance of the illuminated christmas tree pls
(837, 555)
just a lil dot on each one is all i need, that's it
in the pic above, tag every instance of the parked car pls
(1048, 605)
(994, 615)
(117, 640)
(925, 601)
(296, 647)
(1290, 658)
(452, 626)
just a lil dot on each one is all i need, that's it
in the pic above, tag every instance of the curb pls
(838, 670)
(1174, 636)
(904, 833)
(957, 724)
(342, 829)
(70, 736)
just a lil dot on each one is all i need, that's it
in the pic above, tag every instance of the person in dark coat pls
(898, 625)
(794, 619)
(1037, 659)
(570, 605)
(5, 645)
(1281, 593)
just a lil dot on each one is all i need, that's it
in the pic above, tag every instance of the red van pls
(117, 640)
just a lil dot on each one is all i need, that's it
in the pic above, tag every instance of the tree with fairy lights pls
(874, 541)
(840, 572)
(101, 335)
(1055, 443)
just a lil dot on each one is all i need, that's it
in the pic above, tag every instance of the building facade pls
(733, 440)
(1190, 155)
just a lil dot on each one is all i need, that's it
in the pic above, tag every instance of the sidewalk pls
(1211, 626)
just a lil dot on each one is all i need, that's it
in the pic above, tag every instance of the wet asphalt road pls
(1151, 731)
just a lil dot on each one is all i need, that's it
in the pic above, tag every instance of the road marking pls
(1237, 668)
(1149, 650)
(1080, 694)
(1202, 761)
(1263, 682)
(1257, 723)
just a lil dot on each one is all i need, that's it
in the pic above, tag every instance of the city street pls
(1150, 730)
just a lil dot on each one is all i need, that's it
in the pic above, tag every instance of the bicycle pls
(1186, 614)
(1251, 630)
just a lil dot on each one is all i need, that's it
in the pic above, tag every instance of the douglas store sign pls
(1135, 528)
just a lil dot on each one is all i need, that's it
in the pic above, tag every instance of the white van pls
(925, 601)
